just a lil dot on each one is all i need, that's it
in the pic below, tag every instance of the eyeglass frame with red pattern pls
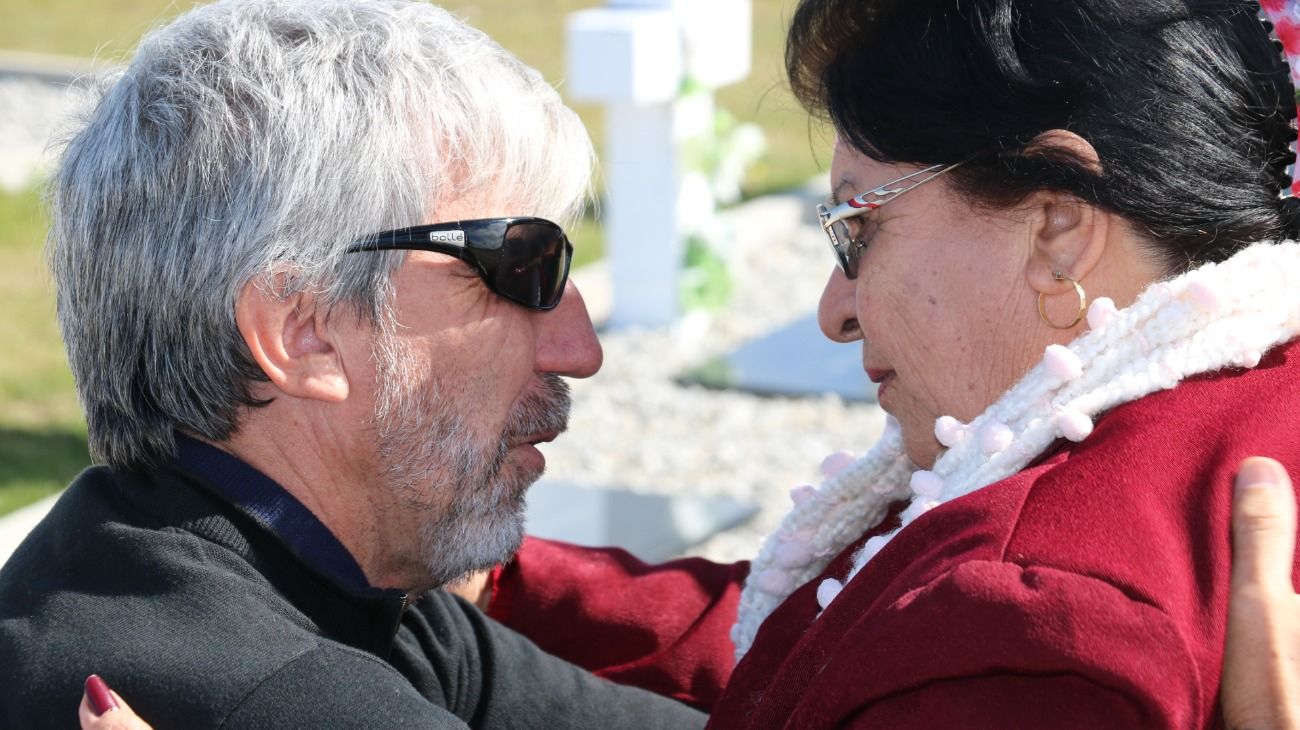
(848, 249)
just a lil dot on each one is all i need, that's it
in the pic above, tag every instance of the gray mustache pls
(543, 410)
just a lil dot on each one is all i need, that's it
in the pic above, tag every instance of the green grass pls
(533, 29)
(42, 435)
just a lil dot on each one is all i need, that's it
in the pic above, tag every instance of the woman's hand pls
(1261, 668)
(102, 709)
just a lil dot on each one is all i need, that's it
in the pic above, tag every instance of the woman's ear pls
(290, 340)
(1069, 236)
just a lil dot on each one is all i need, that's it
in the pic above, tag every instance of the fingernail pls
(101, 700)
(1258, 473)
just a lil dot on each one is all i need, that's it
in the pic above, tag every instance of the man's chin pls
(507, 537)
(476, 548)
(511, 547)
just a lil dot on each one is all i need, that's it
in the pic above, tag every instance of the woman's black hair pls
(1188, 103)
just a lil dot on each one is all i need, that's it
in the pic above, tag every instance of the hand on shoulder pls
(103, 709)
(1261, 667)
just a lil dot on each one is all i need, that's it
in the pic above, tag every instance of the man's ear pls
(290, 340)
(1068, 235)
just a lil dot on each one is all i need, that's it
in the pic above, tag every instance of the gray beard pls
(430, 457)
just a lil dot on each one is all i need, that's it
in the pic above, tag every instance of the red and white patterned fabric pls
(1285, 17)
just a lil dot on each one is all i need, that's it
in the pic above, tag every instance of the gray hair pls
(251, 140)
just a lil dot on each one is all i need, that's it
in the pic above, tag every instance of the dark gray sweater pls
(203, 615)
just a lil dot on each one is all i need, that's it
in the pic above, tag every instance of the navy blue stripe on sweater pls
(261, 498)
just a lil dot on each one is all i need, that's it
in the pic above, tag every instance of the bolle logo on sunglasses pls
(453, 238)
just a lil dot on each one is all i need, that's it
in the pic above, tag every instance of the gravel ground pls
(632, 425)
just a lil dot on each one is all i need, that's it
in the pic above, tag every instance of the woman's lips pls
(883, 379)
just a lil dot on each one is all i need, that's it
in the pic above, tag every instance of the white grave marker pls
(633, 56)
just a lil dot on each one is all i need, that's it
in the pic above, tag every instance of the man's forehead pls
(482, 204)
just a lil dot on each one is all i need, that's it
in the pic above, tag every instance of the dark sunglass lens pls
(534, 265)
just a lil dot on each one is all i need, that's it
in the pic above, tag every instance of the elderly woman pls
(1041, 538)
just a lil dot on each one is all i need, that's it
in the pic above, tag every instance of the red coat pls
(1087, 591)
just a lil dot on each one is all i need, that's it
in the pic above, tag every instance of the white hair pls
(257, 138)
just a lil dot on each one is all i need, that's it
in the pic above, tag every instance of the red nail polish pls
(101, 700)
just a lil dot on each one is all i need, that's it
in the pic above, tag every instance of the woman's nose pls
(837, 312)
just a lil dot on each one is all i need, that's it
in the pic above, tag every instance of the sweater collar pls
(272, 507)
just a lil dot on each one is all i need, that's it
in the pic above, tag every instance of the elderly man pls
(317, 337)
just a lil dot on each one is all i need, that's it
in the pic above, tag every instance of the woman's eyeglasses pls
(525, 260)
(848, 249)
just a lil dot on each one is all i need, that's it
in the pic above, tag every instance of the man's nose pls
(566, 341)
(837, 312)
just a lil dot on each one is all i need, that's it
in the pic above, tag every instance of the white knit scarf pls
(1218, 316)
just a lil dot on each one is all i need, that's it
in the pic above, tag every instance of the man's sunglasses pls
(525, 260)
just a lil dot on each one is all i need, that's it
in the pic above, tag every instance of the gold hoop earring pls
(1083, 304)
